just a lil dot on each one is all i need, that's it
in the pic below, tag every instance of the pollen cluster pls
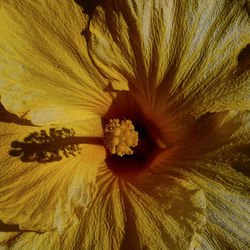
(120, 137)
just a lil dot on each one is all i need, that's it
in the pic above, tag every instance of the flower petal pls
(46, 181)
(228, 208)
(209, 76)
(33, 240)
(104, 224)
(189, 50)
(102, 227)
(149, 211)
(223, 174)
(229, 93)
(167, 212)
(46, 74)
(126, 40)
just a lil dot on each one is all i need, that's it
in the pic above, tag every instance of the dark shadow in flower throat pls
(124, 107)
(88, 5)
(46, 147)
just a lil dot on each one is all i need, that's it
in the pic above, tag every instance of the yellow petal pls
(46, 74)
(223, 175)
(228, 211)
(126, 42)
(189, 50)
(210, 132)
(104, 224)
(209, 76)
(151, 212)
(45, 185)
(167, 212)
(33, 240)
(229, 93)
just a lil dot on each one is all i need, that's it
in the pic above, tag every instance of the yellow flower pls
(125, 128)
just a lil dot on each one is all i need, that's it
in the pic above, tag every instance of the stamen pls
(120, 137)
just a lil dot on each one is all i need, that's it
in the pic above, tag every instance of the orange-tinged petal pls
(46, 74)
(45, 185)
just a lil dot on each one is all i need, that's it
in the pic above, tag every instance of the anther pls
(120, 137)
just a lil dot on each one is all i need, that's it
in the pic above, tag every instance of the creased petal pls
(230, 93)
(208, 76)
(189, 50)
(102, 227)
(167, 212)
(33, 240)
(145, 212)
(223, 174)
(126, 40)
(228, 207)
(47, 175)
(104, 224)
(46, 74)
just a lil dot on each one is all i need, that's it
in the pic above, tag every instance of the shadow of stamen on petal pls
(46, 147)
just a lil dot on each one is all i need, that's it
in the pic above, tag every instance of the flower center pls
(119, 137)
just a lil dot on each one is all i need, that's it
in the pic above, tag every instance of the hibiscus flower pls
(126, 127)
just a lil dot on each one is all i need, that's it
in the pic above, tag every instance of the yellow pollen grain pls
(121, 148)
(129, 141)
(119, 137)
(115, 141)
(117, 131)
